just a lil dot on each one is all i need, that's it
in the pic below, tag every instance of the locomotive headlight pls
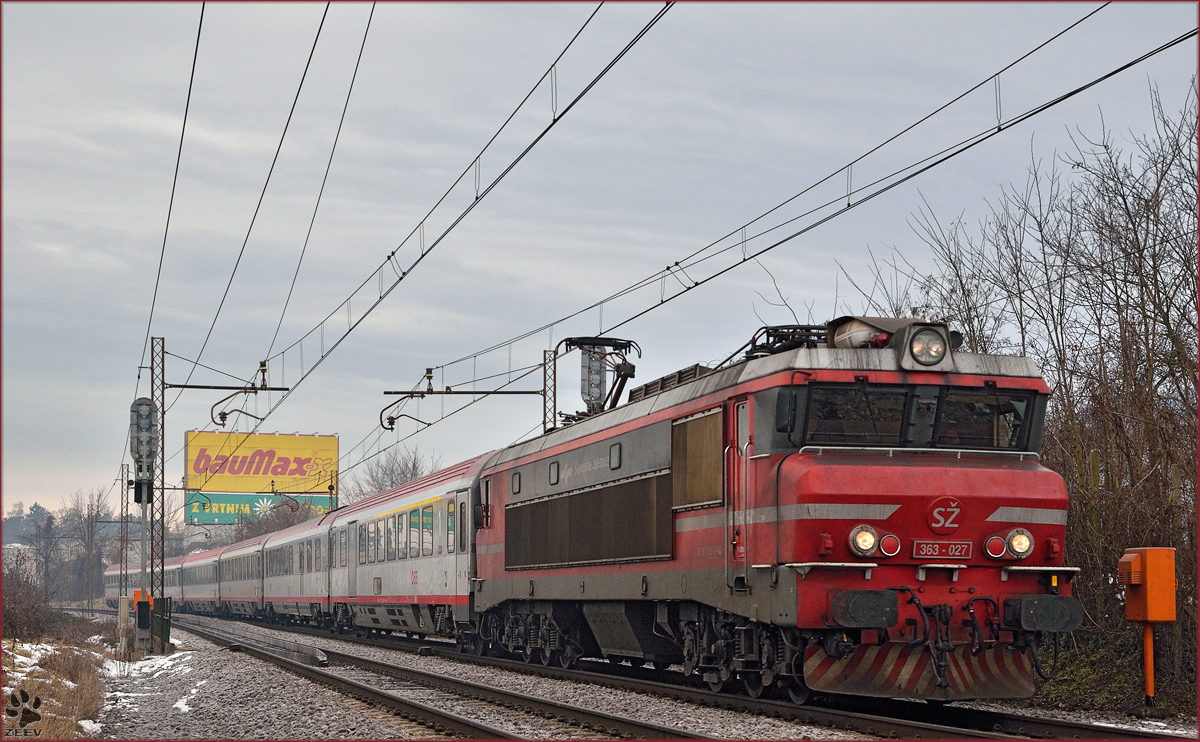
(863, 540)
(927, 347)
(1020, 543)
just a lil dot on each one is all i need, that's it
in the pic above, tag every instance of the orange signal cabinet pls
(1148, 574)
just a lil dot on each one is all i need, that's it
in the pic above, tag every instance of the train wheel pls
(660, 666)
(568, 657)
(637, 662)
(549, 657)
(798, 691)
(753, 683)
(532, 655)
(718, 686)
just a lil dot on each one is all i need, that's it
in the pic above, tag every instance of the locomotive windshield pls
(913, 416)
(989, 419)
(859, 415)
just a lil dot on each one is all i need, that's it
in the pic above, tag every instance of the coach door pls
(462, 539)
(737, 470)
(352, 560)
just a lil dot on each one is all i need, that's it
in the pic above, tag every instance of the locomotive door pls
(352, 560)
(737, 454)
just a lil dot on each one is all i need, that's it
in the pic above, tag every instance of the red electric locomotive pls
(854, 508)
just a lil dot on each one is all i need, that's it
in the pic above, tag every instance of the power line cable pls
(170, 208)
(352, 324)
(922, 166)
(657, 276)
(324, 179)
(174, 181)
(258, 206)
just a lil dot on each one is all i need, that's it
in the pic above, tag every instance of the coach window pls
(317, 554)
(380, 541)
(362, 543)
(401, 537)
(309, 556)
(462, 527)
(372, 535)
(450, 527)
(391, 538)
(414, 533)
(427, 530)
(342, 548)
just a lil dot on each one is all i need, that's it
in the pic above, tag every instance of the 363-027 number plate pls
(941, 549)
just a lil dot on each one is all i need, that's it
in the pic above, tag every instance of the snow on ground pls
(155, 666)
(90, 727)
(181, 704)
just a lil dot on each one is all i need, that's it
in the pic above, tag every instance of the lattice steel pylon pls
(158, 525)
(123, 488)
(549, 393)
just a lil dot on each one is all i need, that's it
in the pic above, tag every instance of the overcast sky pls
(717, 114)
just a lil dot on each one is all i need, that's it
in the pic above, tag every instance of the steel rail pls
(442, 721)
(618, 726)
(912, 719)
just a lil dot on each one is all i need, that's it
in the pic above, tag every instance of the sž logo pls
(944, 514)
(258, 463)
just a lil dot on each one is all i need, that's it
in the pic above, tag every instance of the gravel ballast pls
(205, 692)
(723, 723)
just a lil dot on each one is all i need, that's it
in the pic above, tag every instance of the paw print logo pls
(21, 706)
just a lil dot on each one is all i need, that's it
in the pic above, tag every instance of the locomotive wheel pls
(718, 686)
(532, 655)
(798, 691)
(549, 657)
(691, 650)
(753, 683)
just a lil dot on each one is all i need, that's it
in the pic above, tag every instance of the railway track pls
(889, 717)
(425, 695)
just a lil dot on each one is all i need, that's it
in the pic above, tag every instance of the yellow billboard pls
(244, 462)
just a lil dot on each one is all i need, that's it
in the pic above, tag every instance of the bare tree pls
(386, 471)
(1090, 269)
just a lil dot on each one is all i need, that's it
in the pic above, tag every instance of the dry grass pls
(69, 679)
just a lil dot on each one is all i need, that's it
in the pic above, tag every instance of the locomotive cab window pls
(855, 414)
(982, 419)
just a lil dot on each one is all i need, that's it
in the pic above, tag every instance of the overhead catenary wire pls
(659, 275)
(324, 180)
(355, 322)
(167, 227)
(903, 175)
(258, 206)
